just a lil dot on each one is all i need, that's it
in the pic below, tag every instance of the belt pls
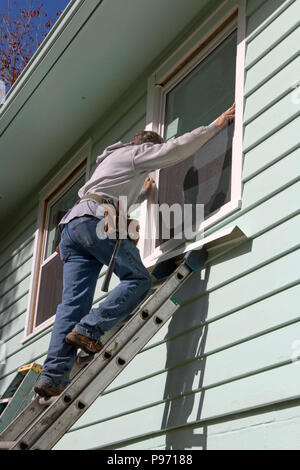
(99, 199)
(111, 217)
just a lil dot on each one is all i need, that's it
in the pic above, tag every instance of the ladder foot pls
(6, 445)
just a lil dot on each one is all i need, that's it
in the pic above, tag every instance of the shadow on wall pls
(189, 376)
(189, 348)
(187, 359)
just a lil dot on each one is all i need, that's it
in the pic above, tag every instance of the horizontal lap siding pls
(244, 395)
(16, 255)
(277, 428)
(229, 348)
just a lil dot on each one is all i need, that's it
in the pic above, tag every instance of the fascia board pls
(52, 48)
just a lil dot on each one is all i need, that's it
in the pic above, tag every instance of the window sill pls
(41, 330)
(225, 237)
(165, 252)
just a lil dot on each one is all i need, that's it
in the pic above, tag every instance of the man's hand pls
(148, 185)
(225, 117)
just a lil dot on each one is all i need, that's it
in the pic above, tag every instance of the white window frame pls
(232, 15)
(41, 234)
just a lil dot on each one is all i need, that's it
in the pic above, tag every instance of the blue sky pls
(51, 6)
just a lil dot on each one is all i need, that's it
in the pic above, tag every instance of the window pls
(50, 288)
(189, 90)
(46, 285)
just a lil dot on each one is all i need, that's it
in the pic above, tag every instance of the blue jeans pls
(84, 255)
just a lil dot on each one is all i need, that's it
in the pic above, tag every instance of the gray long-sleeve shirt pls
(122, 169)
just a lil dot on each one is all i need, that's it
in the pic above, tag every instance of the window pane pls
(57, 211)
(204, 178)
(50, 290)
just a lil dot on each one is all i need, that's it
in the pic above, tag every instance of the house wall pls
(220, 374)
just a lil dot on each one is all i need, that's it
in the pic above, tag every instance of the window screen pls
(50, 292)
(204, 94)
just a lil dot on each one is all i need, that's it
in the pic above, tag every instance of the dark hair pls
(143, 137)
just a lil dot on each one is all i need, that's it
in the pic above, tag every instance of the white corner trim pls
(237, 145)
(33, 277)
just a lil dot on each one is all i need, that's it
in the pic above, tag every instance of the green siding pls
(273, 33)
(276, 147)
(219, 375)
(280, 56)
(270, 429)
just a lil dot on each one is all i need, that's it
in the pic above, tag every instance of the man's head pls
(143, 137)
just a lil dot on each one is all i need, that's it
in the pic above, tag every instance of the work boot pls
(46, 390)
(87, 345)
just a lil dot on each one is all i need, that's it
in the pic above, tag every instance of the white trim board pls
(222, 238)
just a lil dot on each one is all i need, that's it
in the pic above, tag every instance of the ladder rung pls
(47, 401)
(156, 284)
(6, 445)
(81, 360)
(40, 428)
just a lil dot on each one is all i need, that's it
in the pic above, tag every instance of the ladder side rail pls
(22, 421)
(21, 398)
(34, 409)
(13, 386)
(89, 394)
(93, 369)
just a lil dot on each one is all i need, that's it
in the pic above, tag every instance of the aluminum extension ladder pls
(45, 421)
(19, 393)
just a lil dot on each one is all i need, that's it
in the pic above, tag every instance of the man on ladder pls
(121, 171)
